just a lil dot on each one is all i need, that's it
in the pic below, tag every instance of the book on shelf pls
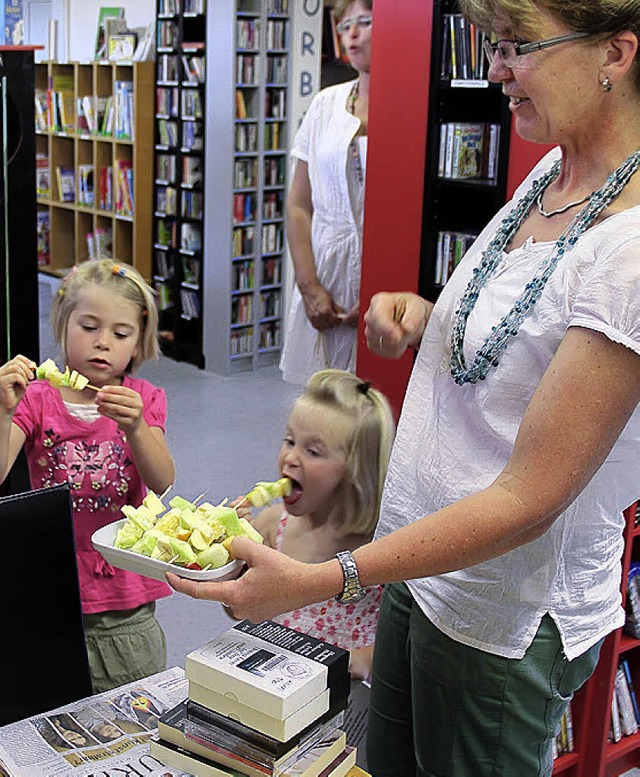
(43, 226)
(43, 176)
(65, 177)
(628, 720)
(124, 201)
(270, 667)
(194, 69)
(307, 759)
(190, 237)
(41, 103)
(616, 728)
(632, 603)
(85, 185)
(190, 304)
(192, 171)
(190, 270)
(241, 106)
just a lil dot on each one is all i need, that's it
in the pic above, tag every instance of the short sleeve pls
(608, 300)
(25, 416)
(301, 141)
(155, 406)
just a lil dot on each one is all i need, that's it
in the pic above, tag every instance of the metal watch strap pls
(352, 590)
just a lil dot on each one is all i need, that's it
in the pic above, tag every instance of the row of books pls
(100, 243)
(241, 309)
(123, 175)
(241, 341)
(191, 204)
(167, 101)
(247, 69)
(632, 604)
(277, 34)
(248, 34)
(242, 275)
(462, 55)
(450, 249)
(272, 238)
(270, 304)
(191, 103)
(190, 304)
(274, 171)
(264, 701)
(168, 69)
(272, 205)
(274, 136)
(625, 715)
(563, 742)
(244, 208)
(277, 69)
(166, 168)
(245, 173)
(275, 106)
(167, 35)
(174, 7)
(246, 137)
(468, 150)
(243, 241)
(271, 337)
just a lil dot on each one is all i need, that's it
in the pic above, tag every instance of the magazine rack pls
(42, 651)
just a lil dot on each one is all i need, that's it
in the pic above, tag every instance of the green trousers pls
(123, 646)
(442, 709)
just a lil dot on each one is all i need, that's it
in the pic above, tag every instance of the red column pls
(398, 108)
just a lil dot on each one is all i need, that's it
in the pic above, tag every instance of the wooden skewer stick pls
(165, 492)
(198, 498)
(171, 560)
(93, 388)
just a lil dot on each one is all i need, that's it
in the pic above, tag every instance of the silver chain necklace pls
(549, 213)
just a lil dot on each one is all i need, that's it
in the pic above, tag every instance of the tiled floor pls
(224, 433)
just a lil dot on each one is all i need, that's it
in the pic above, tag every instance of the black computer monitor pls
(43, 657)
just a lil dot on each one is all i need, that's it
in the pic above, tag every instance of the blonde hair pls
(340, 7)
(123, 279)
(368, 432)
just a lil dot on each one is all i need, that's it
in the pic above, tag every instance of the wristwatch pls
(352, 590)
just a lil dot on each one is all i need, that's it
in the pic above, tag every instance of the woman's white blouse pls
(454, 440)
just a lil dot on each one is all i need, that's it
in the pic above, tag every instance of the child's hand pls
(14, 379)
(361, 662)
(123, 405)
(245, 510)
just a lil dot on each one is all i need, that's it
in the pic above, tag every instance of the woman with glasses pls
(519, 441)
(325, 210)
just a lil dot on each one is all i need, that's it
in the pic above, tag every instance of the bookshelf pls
(93, 121)
(237, 323)
(467, 156)
(178, 199)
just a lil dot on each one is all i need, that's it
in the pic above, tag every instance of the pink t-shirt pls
(95, 460)
(349, 626)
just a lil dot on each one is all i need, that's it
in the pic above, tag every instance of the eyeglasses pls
(361, 22)
(510, 51)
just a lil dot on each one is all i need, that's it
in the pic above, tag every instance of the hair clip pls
(117, 270)
(363, 387)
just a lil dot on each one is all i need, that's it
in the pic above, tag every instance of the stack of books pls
(264, 701)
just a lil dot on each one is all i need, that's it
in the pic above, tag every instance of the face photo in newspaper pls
(139, 706)
(99, 721)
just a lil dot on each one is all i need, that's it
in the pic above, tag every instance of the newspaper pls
(101, 736)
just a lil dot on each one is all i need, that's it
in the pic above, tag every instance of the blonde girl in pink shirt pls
(109, 446)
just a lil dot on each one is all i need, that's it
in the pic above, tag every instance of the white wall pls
(83, 22)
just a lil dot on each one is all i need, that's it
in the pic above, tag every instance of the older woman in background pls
(325, 212)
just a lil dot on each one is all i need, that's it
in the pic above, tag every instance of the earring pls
(606, 84)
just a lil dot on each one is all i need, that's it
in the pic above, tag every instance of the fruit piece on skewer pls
(264, 492)
(72, 379)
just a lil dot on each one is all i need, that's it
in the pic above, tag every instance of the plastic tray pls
(104, 538)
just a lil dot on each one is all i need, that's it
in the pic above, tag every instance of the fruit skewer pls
(49, 371)
(264, 492)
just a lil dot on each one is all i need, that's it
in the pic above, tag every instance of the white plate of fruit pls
(189, 539)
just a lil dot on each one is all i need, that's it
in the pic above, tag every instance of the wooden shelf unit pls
(73, 147)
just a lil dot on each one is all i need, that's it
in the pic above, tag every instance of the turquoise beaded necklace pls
(495, 343)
